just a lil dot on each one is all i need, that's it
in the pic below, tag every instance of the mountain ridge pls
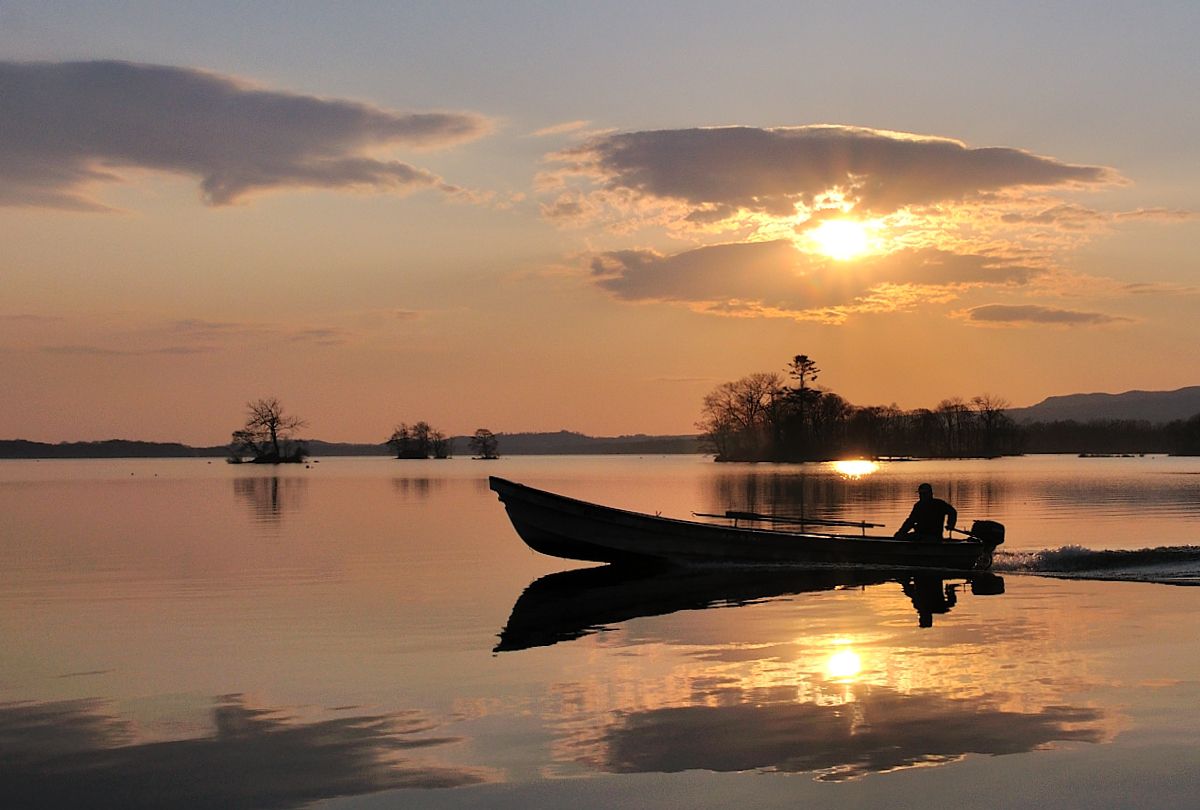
(1137, 404)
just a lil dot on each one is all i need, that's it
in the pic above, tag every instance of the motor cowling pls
(989, 531)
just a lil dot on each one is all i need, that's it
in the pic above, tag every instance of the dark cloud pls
(771, 170)
(1017, 314)
(75, 754)
(755, 277)
(881, 730)
(69, 124)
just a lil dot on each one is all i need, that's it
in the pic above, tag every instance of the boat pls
(559, 526)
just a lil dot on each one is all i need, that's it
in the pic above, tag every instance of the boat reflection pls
(571, 604)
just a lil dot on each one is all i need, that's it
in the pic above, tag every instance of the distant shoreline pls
(516, 444)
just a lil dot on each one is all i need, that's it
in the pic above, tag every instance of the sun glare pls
(855, 467)
(844, 665)
(841, 239)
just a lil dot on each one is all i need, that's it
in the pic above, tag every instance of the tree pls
(993, 422)
(268, 435)
(740, 420)
(418, 441)
(440, 444)
(484, 444)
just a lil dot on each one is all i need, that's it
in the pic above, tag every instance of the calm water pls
(372, 633)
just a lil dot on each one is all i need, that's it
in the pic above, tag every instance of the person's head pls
(925, 491)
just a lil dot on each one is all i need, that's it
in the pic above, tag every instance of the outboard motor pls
(989, 531)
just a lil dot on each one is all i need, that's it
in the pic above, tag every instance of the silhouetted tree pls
(740, 419)
(484, 444)
(439, 443)
(267, 436)
(418, 441)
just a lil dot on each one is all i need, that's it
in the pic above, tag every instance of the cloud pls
(1072, 216)
(68, 125)
(712, 171)
(564, 128)
(101, 351)
(776, 279)
(1018, 314)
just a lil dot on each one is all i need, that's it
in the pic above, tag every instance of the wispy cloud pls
(104, 351)
(68, 125)
(1027, 314)
(565, 128)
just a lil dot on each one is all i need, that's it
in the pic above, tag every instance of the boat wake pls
(1173, 565)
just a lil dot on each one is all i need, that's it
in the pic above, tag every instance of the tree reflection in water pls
(271, 497)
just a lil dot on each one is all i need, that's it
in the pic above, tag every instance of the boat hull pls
(577, 530)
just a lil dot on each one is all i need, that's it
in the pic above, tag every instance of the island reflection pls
(271, 497)
(77, 754)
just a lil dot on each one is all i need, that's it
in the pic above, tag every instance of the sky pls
(584, 216)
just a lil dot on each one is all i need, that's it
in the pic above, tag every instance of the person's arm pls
(951, 517)
(908, 523)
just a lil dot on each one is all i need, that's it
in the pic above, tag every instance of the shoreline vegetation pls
(762, 417)
(756, 418)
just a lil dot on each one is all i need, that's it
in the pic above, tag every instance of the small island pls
(268, 437)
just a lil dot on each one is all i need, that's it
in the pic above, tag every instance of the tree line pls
(772, 417)
(269, 437)
(764, 417)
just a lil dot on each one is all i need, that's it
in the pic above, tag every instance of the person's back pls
(925, 520)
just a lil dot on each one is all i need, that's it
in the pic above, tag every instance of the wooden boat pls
(577, 530)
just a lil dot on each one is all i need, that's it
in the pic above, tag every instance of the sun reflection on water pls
(854, 467)
(844, 664)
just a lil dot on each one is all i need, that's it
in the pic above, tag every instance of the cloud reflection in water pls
(76, 754)
(875, 730)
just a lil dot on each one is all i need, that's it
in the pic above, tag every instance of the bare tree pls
(418, 441)
(268, 435)
(992, 420)
(484, 444)
(440, 444)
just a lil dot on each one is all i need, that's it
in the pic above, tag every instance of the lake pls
(366, 632)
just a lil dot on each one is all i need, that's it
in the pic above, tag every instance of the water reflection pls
(417, 488)
(854, 467)
(271, 497)
(571, 604)
(77, 754)
(865, 729)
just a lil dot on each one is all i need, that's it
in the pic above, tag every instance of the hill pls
(1152, 406)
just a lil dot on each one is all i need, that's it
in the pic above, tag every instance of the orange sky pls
(580, 220)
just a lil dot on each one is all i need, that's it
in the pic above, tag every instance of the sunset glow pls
(844, 665)
(854, 468)
(841, 239)
(390, 241)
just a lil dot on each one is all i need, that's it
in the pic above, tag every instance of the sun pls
(841, 239)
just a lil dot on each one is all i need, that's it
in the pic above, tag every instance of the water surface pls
(370, 632)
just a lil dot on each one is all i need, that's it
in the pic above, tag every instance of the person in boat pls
(925, 520)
